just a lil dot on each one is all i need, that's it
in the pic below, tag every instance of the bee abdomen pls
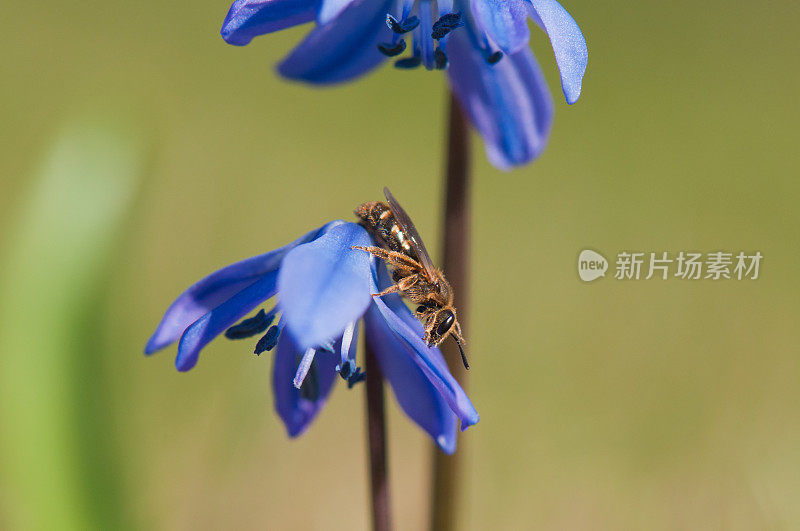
(378, 218)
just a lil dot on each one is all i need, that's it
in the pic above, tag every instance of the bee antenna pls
(463, 356)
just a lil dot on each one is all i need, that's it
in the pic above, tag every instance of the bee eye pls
(447, 323)
(422, 309)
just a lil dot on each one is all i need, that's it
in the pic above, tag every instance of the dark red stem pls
(376, 433)
(456, 230)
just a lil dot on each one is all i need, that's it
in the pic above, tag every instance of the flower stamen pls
(268, 340)
(309, 390)
(351, 373)
(402, 27)
(495, 57)
(446, 24)
(303, 367)
(440, 59)
(408, 63)
(429, 37)
(390, 50)
(251, 326)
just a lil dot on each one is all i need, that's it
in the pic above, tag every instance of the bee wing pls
(411, 231)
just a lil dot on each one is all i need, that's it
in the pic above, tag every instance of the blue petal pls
(415, 393)
(212, 324)
(342, 49)
(218, 287)
(408, 332)
(508, 102)
(330, 9)
(504, 21)
(568, 44)
(296, 411)
(324, 285)
(250, 18)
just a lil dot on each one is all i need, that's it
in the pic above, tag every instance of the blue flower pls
(324, 288)
(483, 44)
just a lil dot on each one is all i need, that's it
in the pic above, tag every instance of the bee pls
(413, 271)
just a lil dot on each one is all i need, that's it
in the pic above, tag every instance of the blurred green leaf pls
(56, 442)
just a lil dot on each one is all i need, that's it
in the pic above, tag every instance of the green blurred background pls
(139, 153)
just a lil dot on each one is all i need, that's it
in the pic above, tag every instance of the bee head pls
(439, 323)
(443, 321)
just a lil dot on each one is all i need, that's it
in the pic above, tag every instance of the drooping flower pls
(323, 289)
(483, 44)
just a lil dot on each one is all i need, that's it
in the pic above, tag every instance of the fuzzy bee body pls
(381, 222)
(415, 277)
(378, 218)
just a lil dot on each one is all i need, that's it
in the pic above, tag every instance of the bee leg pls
(391, 257)
(377, 251)
(456, 331)
(403, 285)
(422, 312)
(391, 289)
(429, 323)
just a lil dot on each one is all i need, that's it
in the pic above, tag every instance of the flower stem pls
(456, 231)
(376, 433)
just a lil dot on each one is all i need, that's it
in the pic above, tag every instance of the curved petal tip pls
(247, 19)
(569, 45)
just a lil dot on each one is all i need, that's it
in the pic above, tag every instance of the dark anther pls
(407, 63)
(440, 58)
(446, 24)
(351, 373)
(402, 27)
(268, 341)
(250, 327)
(357, 377)
(494, 58)
(346, 369)
(390, 50)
